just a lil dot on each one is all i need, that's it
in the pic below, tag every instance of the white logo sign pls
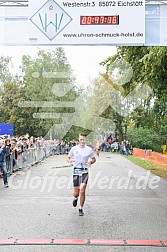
(51, 19)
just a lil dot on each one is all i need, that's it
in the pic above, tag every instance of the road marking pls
(33, 241)
(107, 242)
(144, 242)
(88, 242)
(71, 241)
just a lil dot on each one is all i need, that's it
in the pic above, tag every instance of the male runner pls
(82, 157)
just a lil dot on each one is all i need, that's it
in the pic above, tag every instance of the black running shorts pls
(77, 180)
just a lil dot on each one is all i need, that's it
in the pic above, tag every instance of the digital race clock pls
(99, 20)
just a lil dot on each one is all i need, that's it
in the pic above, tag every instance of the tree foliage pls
(49, 78)
(149, 66)
(42, 81)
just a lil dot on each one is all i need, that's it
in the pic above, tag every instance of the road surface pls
(123, 202)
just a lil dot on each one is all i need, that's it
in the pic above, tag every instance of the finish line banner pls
(74, 23)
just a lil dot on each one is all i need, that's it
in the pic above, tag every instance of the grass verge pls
(154, 168)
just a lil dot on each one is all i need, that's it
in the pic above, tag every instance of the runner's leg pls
(75, 190)
(82, 193)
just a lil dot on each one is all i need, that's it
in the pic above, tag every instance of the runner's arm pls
(70, 156)
(70, 159)
(92, 161)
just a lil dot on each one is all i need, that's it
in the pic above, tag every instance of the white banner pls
(74, 23)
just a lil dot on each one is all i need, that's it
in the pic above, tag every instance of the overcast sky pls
(84, 60)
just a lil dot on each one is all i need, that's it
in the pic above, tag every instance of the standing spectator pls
(112, 147)
(14, 153)
(127, 147)
(8, 153)
(130, 149)
(97, 147)
(116, 147)
(3, 162)
(122, 148)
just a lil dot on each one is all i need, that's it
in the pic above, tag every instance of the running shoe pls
(75, 202)
(81, 213)
(6, 185)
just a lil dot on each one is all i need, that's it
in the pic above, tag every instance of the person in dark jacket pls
(3, 161)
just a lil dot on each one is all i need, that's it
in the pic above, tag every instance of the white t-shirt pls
(81, 156)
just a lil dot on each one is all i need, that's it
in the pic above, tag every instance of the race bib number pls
(78, 171)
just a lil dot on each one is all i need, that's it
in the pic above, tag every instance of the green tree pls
(145, 138)
(10, 112)
(5, 73)
(44, 79)
(149, 67)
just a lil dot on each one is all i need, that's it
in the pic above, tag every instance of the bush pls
(145, 138)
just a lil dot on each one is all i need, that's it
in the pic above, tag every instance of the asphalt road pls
(123, 202)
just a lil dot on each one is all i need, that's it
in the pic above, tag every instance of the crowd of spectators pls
(19, 149)
(109, 143)
(16, 146)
